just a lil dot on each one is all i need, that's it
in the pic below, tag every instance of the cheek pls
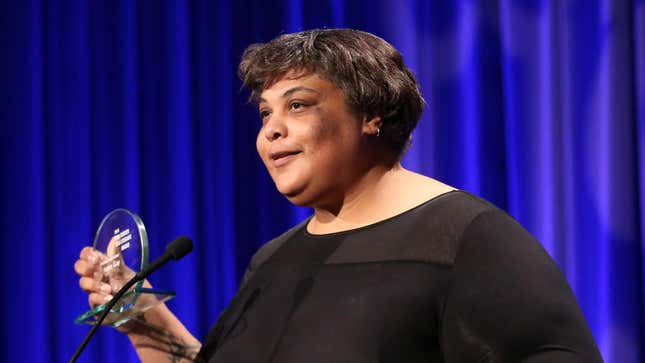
(319, 135)
(334, 138)
(323, 130)
(261, 146)
(258, 147)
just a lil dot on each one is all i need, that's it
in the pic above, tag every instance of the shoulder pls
(492, 232)
(269, 248)
(438, 226)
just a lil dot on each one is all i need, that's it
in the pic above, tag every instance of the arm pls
(509, 302)
(158, 336)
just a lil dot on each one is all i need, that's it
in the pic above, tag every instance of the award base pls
(135, 302)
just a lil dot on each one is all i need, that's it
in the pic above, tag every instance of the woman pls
(392, 266)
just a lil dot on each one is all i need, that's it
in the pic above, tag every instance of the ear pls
(372, 126)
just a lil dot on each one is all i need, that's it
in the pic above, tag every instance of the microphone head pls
(179, 248)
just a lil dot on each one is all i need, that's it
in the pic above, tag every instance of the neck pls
(380, 193)
(360, 202)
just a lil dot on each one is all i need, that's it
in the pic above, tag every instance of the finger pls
(91, 255)
(90, 285)
(86, 252)
(113, 246)
(98, 274)
(98, 299)
(84, 268)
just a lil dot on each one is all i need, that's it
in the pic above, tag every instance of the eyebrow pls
(293, 90)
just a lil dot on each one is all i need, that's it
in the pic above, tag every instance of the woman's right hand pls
(101, 278)
(92, 281)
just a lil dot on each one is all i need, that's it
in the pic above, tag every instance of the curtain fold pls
(538, 106)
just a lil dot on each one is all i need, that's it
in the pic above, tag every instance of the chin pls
(299, 199)
(295, 194)
(289, 190)
(307, 196)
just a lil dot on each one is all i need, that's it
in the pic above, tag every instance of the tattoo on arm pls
(178, 350)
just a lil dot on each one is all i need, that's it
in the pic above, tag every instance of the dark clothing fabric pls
(452, 280)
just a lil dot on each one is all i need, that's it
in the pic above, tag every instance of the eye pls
(296, 106)
(264, 114)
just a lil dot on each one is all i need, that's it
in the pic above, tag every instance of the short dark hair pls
(368, 70)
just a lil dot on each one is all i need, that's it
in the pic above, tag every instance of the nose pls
(275, 128)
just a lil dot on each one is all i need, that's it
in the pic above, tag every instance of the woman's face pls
(309, 142)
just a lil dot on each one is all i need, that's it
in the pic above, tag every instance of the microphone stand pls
(104, 313)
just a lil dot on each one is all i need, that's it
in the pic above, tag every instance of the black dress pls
(452, 280)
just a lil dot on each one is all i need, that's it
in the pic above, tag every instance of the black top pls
(452, 280)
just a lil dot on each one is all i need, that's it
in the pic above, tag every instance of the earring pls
(378, 132)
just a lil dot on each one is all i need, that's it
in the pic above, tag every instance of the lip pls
(282, 158)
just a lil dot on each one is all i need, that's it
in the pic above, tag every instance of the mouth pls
(283, 157)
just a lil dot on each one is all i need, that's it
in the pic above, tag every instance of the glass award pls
(122, 243)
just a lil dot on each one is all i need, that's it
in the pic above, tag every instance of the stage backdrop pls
(538, 106)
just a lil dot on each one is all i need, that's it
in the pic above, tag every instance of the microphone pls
(175, 250)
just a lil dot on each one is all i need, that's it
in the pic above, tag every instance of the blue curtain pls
(538, 106)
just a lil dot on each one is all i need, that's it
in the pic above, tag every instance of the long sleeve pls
(509, 302)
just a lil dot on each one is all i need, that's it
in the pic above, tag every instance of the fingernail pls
(107, 298)
(106, 289)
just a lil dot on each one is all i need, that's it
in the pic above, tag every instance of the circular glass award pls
(122, 243)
